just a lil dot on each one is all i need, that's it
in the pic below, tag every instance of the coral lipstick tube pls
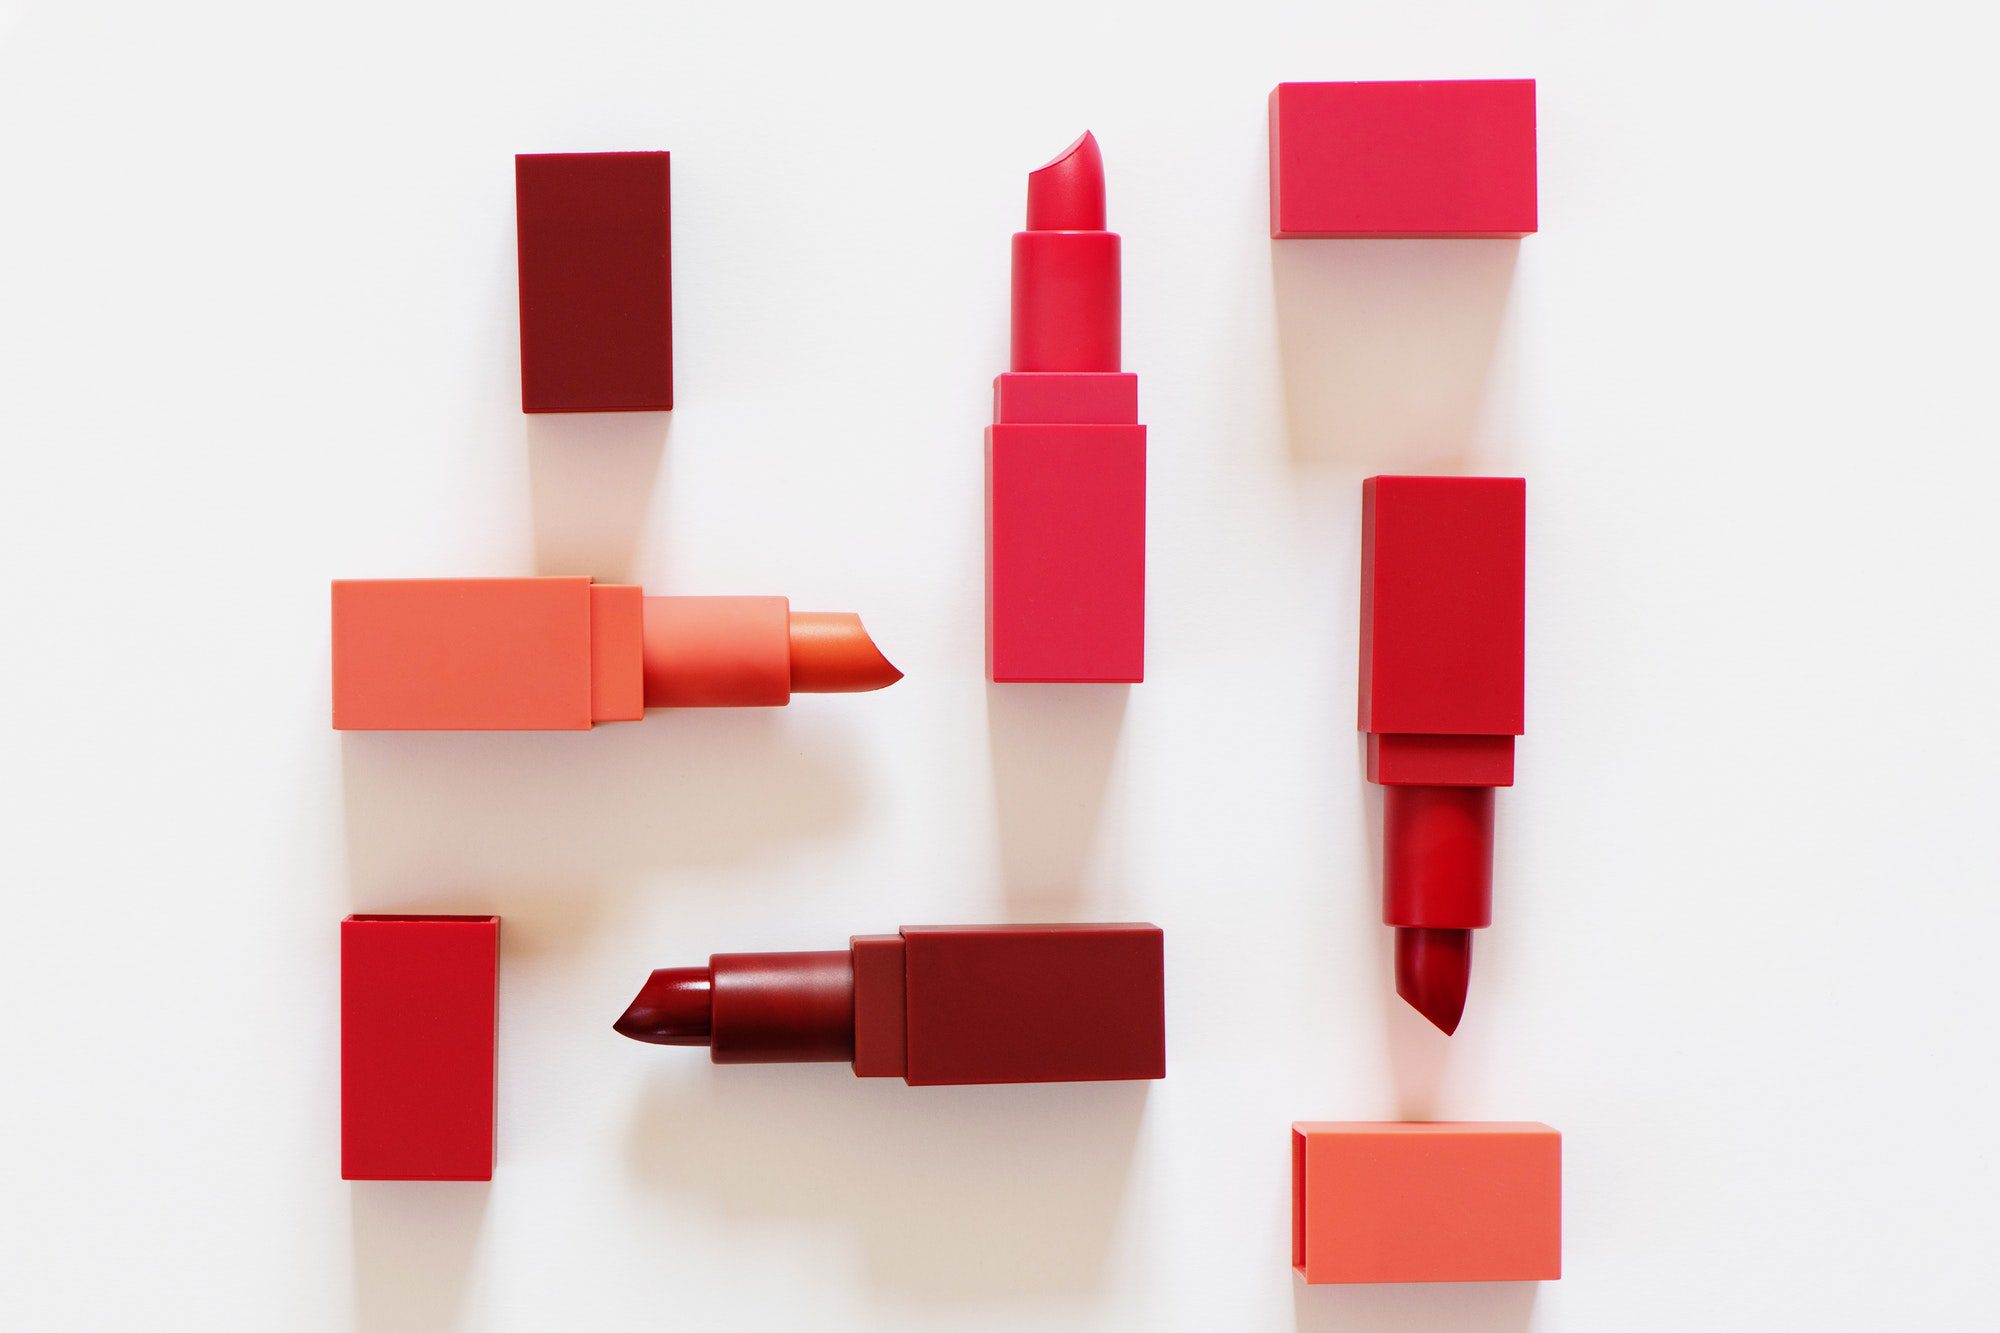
(929, 1004)
(543, 654)
(1066, 455)
(1442, 584)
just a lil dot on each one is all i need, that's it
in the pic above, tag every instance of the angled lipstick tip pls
(1067, 193)
(671, 1009)
(832, 654)
(1433, 971)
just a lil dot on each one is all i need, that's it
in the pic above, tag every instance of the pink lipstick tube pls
(1066, 455)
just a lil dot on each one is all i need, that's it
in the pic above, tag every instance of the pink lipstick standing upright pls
(1066, 455)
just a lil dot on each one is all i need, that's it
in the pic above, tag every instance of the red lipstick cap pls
(1442, 593)
(416, 1046)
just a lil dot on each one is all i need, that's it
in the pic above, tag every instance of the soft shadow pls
(535, 823)
(415, 1244)
(1387, 346)
(1052, 748)
(592, 476)
(950, 1194)
(1397, 1307)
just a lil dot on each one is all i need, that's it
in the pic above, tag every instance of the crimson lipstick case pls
(1441, 677)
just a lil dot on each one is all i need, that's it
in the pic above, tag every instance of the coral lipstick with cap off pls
(1066, 455)
(543, 654)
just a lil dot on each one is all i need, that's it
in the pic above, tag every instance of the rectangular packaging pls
(417, 996)
(1421, 159)
(1443, 577)
(529, 654)
(1011, 1004)
(1385, 1201)
(1066, 529)
(595, 254)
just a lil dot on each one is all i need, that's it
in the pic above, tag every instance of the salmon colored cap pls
(1450, 1201)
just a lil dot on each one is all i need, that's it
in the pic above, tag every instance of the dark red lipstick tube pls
(1442, 597)
(930, 1004)
(1066, 455)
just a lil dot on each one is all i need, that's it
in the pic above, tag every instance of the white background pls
(257, 331)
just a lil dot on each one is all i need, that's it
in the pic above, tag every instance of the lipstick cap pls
(1442, 602)
(1427, 159)
(596, 283)
(416, 1046)
(1468, 1201)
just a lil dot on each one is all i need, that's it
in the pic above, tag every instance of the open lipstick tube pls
(1065, 456)
(1442, 599)
(556, 654)
(929, 1004)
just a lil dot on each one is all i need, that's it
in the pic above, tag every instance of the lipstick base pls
(1066, 553)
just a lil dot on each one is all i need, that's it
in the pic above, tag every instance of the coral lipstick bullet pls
(832, 654)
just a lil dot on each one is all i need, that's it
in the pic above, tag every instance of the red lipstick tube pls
(544, 654)
(930, 1004)
(1065, 456)
(1442, 594)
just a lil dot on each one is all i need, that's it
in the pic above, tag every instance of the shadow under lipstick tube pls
(929, 1004)
(541, 654)
(1442, 593)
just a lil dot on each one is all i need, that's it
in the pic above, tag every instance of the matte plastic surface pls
(617, 651)
(1034, 1004)
(1426, 1202)
(881, 1024)
(596, 282)
(1066, 553)
(1055, 398)
(417, 1046)
(1442, 605)
(462, 655)
(1424, 159)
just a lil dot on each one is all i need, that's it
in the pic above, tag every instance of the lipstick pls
(1066, 455)
(541, 654)
(1442, 605)
(929, 1004)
